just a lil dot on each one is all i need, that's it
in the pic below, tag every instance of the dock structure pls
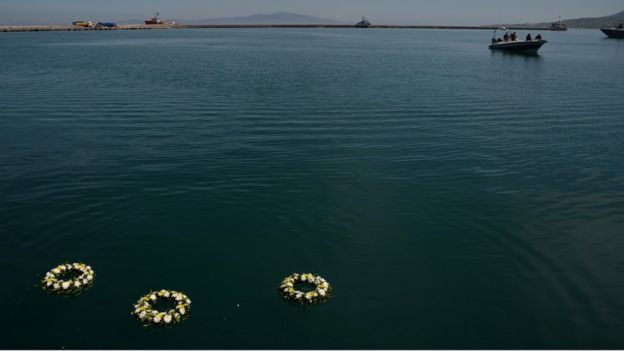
(54, 28)
(81, 29)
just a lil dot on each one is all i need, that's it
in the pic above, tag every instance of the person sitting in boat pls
(538, 37)
(499, 40)
(514, 36)
(506, 37)
(621, 26)
(528, 38)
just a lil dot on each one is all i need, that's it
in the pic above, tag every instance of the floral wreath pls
(318, 295)
(52, 281)
(148, 315)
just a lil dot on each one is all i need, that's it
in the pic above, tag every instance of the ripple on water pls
(422, 174)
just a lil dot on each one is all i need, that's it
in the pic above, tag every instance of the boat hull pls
(614, 33)
(525, 47)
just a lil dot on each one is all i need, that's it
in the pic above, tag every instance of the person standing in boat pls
(506, 37)
(621, 26)
(529, 38)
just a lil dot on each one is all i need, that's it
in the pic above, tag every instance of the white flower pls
(179, 298)
(56, 271)
(49, 283)
(182, 310)
(85, 282)
(77, 284)
(152, 297)
(142, 314)
(90, 277)
(303, 278)
(167, 294)
(57, 286)
(66, 285)
(167, 319)
(157, 319)
(322, 292)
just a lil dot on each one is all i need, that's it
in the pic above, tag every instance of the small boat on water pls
(510, 43)
(617, 33)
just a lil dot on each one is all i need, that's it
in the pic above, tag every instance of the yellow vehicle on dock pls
(83, 24)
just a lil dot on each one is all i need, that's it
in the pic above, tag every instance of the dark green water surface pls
(454, 197)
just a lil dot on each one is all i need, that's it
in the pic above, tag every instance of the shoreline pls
(59, 28)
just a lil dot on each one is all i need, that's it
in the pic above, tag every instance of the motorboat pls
(510, 43)
(617, 33)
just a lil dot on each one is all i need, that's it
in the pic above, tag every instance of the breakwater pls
(56, 28)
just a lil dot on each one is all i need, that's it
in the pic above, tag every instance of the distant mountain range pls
(270, 18)
(587, 22)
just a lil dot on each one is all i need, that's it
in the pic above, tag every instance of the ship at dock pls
(558, 26)
(154, 20)
(364, 23)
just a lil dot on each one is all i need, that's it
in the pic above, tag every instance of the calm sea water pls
(454, 197)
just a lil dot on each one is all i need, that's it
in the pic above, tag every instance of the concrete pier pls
(81, 29)
(242, 26)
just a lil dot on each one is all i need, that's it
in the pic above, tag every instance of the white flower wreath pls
(53, 282)
(320, 294)
(148, 315)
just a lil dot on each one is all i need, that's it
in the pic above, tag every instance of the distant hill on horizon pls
(269, 18)
(585, 22)
(596, 22)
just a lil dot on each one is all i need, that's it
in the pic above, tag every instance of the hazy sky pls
(378, 11)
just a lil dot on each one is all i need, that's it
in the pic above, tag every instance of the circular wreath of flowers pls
(145, 312)
(320, 294)
(53, 282)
